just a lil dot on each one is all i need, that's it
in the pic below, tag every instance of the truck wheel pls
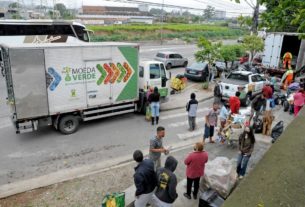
(169, 66)
(68, 124)
(185, 64)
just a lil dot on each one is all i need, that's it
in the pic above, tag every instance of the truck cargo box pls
(49, 79)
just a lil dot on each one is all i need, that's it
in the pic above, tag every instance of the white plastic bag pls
(220, 175)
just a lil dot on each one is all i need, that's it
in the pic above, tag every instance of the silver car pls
(171, 59)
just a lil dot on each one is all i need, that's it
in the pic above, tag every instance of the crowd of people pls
(156, 185)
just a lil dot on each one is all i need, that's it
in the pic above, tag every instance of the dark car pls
(197, 71)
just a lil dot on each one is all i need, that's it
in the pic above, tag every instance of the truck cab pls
(154, 74)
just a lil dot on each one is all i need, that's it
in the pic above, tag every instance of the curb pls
(180, 107)
(11, 189)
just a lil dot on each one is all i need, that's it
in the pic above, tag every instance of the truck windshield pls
(238, 76)
(81, 33)
(154, 71)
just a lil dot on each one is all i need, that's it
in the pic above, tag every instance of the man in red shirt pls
(267, 91)
(234, 103)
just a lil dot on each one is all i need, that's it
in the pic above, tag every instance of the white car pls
(247, 83)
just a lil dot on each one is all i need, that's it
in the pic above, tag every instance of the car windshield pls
(198, 66)
(161, 55)
(238, 76)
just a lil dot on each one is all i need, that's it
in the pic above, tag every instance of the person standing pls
(156, 147)
(257, 106)
(191, 108)
(211, 119)
(195, 163)
(223, 116)
(144, 178)
(234, 103)
(246, 146)
(154, 100)
(166, 194)
(217, 93)
(299, 101)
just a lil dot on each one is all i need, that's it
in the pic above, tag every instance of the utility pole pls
(162, 20)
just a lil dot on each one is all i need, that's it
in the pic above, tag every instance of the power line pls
(171, 6)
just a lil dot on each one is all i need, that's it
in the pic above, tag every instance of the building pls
(220, 14)
(113, 15)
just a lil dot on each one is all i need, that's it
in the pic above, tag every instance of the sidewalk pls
(180, 99)
(262, 146)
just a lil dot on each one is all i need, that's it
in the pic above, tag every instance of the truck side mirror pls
(170, 75)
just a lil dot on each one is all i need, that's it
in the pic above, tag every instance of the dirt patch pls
(84, 192)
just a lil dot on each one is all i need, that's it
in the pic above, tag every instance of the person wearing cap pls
(246, 145)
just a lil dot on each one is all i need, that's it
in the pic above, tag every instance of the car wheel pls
(185, 64)
(169, 66)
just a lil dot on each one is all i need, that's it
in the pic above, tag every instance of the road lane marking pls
(189, 135)
(181, 114)
(184, 123)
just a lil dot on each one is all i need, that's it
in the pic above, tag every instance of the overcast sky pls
(227, 5)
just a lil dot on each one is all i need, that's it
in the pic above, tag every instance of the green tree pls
(208, 51)
(253, 44)
(244, 21)
(230, 53)
(284, 15)
(241, 20)
(61, 8)
(208, 12)
(14, 5)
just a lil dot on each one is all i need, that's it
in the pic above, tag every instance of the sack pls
(114, 200)
(258, 126)
(210, 198)
(277, 131)
(220, 175)
(148, 113)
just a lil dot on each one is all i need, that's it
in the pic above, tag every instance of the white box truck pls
(276, 45)
(63, 84)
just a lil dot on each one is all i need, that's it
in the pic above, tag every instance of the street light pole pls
(162, 16)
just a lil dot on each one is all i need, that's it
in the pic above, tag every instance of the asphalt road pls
(28, 155)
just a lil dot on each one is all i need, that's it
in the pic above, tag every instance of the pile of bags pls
(220, 175)
(178, 83)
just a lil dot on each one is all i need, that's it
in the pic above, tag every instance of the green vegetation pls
(185, 32)
(209, 52)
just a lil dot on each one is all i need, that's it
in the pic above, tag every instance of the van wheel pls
(169, 66)
(69, 124)
(185, 64)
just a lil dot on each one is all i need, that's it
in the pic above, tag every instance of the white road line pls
(181, 114)
(189, 135)
(184, 123)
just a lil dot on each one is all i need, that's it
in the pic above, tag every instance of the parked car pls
(198, 71)
(249, 84)
(171, 59)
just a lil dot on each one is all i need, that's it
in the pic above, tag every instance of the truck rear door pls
(272, 51)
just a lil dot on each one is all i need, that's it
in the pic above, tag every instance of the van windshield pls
(154, 71)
